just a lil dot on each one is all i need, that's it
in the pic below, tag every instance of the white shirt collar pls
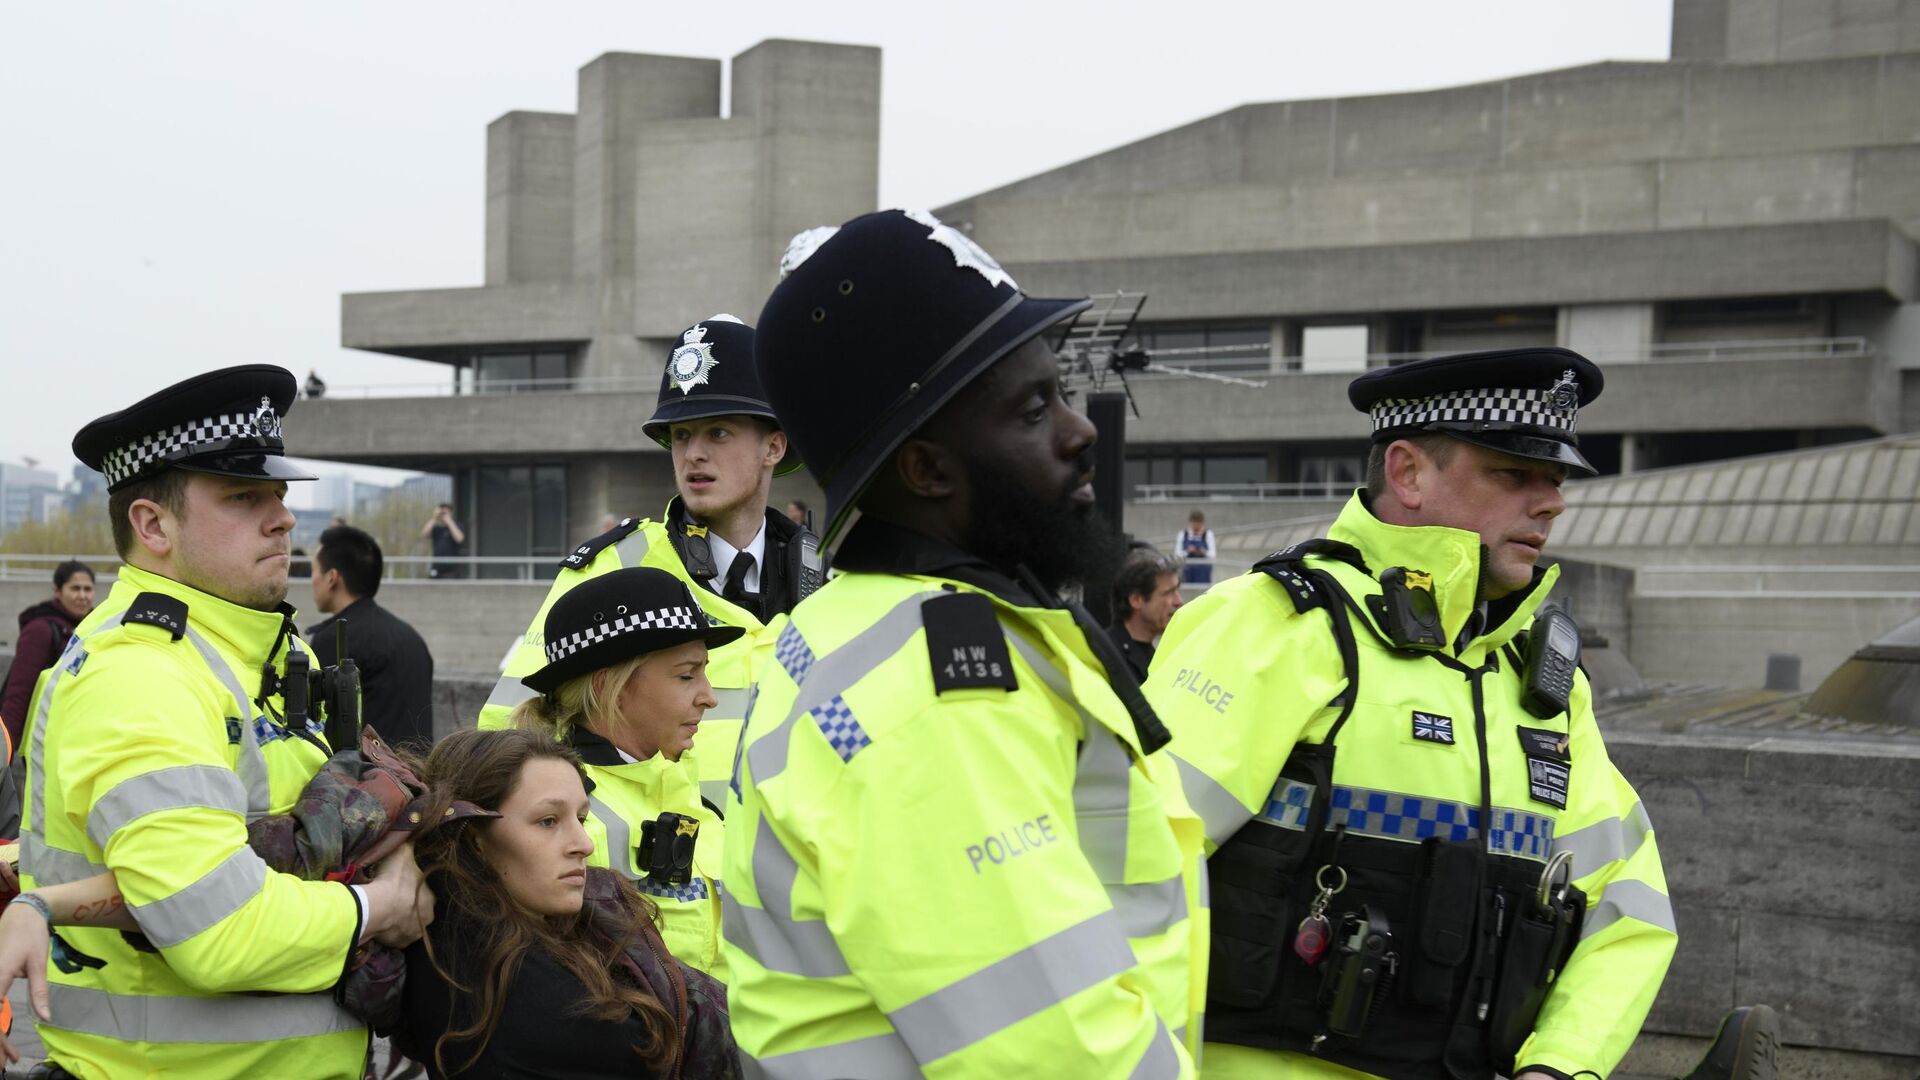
(724, 552)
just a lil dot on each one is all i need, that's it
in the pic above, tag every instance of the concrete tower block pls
(815, 111)
(619, 94)
(530, 198)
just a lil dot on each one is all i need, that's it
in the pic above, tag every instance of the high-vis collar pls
(247, 634)
(1454, 558)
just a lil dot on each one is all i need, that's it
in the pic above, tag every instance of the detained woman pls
(625, 687)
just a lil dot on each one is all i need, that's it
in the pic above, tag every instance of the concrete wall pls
(1724, 639)
(1790, 863)
(1762, 30)
(530, 198)
(1603, 148)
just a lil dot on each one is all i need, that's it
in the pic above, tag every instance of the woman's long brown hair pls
(483, 767)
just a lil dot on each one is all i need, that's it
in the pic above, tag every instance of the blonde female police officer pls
(625, 685)
(154, 740)
(747, 562)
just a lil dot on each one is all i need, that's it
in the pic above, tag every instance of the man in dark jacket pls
(396, 670)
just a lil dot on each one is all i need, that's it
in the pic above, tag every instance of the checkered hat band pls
(180, 441)
(667, 618)
(1531, 407)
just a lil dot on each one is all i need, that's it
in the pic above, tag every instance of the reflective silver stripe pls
(50, 865)
(880, 1057)
(714, 791)
(508, 693)
(1008, 991)
(732, 703)
(768, 934)
(833, 673)
(1629, 899)
(1160, 1060)
(224, 1018)
(214, 787)
(1150, 909)
(1606, 841)
(632, 547)
(252, 764)
(619, 838)
(1217, 807)
(219, 893)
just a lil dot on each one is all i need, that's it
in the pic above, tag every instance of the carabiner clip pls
(1559, 867)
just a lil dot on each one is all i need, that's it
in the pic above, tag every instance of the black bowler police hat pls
(618, 616)
(1519, 401)
(710, 373)
(876, 326)
(225, 422)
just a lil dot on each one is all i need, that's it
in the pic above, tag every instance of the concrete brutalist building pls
(1731, 232)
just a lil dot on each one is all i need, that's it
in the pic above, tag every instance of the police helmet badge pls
(802, 247)
(1564, 394)
(690, 363)
(266, 422)
(966, 253)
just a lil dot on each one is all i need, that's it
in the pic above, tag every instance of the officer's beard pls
(1061, 541)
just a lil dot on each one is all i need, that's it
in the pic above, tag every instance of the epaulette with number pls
(1287, 567)
(965, 645)
(580, 556)
(169, 613)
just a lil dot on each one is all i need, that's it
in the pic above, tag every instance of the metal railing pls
(584, 384)
(1286, 491)
(1680, 579)
(488, 569)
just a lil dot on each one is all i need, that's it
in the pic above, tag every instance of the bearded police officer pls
(1426, 865)
(164, 729)
(955, 848)
(747, 562)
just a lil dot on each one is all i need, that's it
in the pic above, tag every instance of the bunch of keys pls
(1315, 932)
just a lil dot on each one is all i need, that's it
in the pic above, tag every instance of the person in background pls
(44, 630)
(316, 387)
(1146, 593)
(1197, 545)
(396, 668)
(798, 513)
(447, 538)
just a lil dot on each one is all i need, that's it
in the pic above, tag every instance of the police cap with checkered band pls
(224, 422)
(878, 324)
(617, 616)
(709, 372)
(1522, 402)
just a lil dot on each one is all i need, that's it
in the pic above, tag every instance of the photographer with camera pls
(447, 538)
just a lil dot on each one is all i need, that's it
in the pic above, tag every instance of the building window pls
(1335, 477)
(541, 371)
(518, 510)
(1341, 347)
(1209, 346)
(1192, 470)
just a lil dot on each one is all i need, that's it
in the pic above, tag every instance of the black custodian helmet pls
(710, 373)
(878, 324)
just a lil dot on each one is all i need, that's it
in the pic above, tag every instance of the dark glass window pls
(518, 510)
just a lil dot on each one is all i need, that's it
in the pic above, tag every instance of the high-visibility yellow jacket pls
(977, 882)
(729, 668)
(1243, 677)
(148, 753)
(628, 793)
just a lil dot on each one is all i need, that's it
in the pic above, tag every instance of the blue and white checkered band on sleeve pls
(184, 440)
(668, 618)
(1529, 408)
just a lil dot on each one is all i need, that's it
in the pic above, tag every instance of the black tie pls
(735, 589)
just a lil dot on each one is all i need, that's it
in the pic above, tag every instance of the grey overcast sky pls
(186, 185)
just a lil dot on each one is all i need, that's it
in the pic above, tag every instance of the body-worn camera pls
(1362, 962)
(1406, 609)
(666, 848)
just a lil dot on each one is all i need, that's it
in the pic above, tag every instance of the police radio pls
(810, 570)
(1553, 653)
(1406, 610)
(666, 848)
(332, 693)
